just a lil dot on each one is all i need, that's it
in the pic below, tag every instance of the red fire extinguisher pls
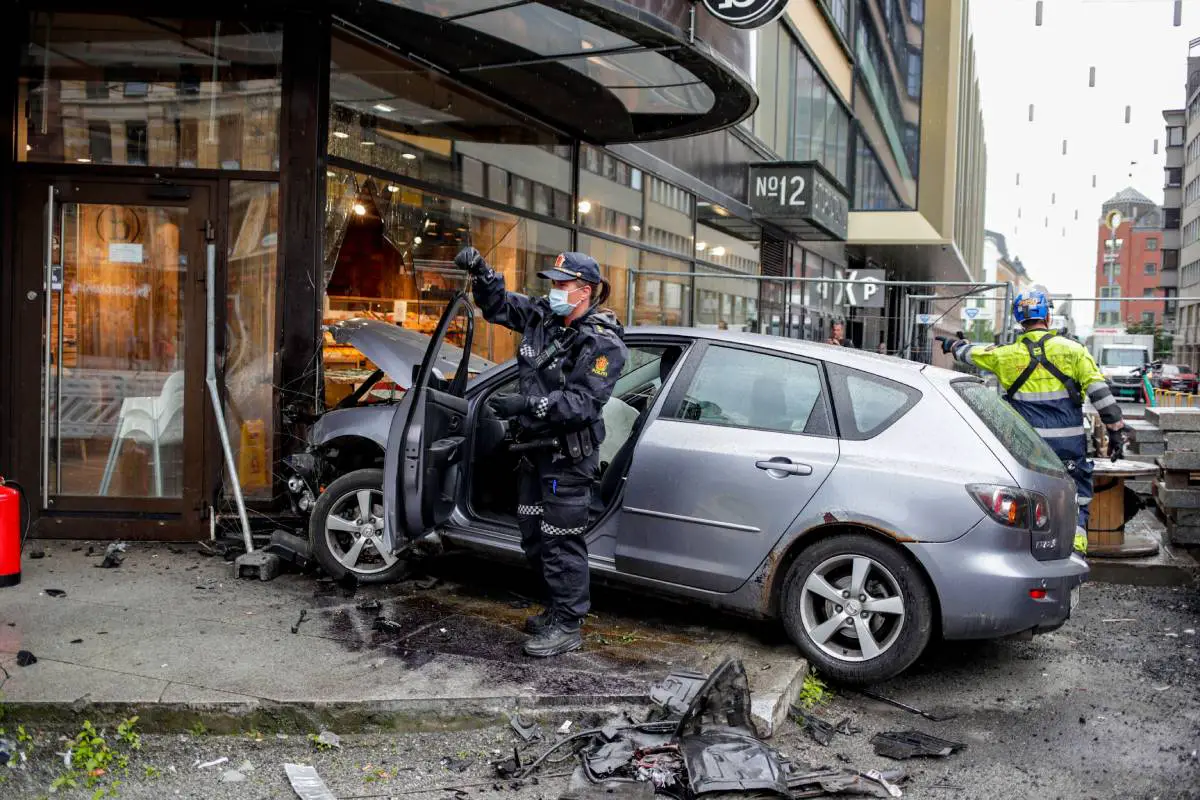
(10, 532)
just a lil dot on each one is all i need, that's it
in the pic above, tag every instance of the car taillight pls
(1013, 507)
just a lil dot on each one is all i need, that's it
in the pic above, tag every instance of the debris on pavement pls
(565, 728)
(456, 764)
(508, 767)
(387, 625)
(528, 731)
(427, 583)
(37, 552)
(55, 593)
(909, 744)
(905, 706)
(25, 658)
(369, 605)
(675, 693)
(299, 622)
(232, 776)
(8, 751)
(826, 781)
(261, 564)
(216, 762)
(113, 556)
(306, 783)
(328, 739)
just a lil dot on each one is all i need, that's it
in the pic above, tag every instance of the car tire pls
(337, 526)
(822, 576)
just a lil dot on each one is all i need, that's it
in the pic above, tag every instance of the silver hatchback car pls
(867, 502)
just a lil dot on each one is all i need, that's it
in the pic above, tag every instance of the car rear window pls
(1017, 435)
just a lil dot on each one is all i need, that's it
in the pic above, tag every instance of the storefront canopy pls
(604, 71)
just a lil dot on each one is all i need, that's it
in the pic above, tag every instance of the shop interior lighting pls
(28, 147)
(701, 246)
(341, 135)
(635, 228)
(383, 108)
(330, 173)
(360, 209)
(717, 251)
(84, 160)
(585, 206)
(416, 240)
(367, 143)
(393, 188)
(408, 156)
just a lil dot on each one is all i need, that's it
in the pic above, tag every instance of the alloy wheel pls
(852, 608)
(354, 532)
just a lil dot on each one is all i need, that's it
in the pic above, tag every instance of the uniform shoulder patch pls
(600, 366)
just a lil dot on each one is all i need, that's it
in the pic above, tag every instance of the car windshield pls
(1123, 357)
(1171, 370)
(1017, 435)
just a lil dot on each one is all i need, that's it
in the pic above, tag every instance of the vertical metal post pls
(49, 311)
(215, 394)
(630, 280)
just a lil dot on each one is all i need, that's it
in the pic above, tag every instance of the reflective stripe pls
(1104, 402)
(1059, 433)
(1036, 397)
(1082, 501)
(1096, 386)
(966, 356)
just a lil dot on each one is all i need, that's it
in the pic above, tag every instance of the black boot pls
(559, 637)
(538, 623)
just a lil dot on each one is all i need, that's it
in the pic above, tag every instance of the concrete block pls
(1182, 441)
(1147, 459)
(1150, 448)
(1184, 516)
(1188, 460)
(1174, 419)
(1184, 534)
(1141, 487)
(1145, 432)
(1171, 499)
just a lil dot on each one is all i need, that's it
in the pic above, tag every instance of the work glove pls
(1116, 443)
(948, 343)
(470, 260)
(506, 406)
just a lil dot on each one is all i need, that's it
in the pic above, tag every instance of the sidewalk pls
(172, 636)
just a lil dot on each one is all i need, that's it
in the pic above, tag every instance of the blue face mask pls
(559, 302)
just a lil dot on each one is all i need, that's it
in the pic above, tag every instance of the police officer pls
(570, 356)
(1045, 375)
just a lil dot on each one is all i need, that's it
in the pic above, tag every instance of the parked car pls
(867, 502)
(1176, 377)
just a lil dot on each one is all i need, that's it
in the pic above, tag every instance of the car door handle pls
(785, 466)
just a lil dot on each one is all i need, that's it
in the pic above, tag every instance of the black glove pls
(1116, 443)
(948, 343)
(508, 405)
(470, 260)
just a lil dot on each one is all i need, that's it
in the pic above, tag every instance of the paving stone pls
(1183, 441)
(1184, 534)
(1174, 419)
(1150, 448)
(1180, 460)
(1170, 499)
(1145, 432)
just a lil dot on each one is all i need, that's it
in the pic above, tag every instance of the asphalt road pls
(1107, 707)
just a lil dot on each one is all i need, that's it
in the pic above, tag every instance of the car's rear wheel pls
(345, 530)
(858, 608)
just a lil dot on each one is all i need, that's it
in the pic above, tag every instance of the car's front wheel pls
(346, 530)
(859, 610)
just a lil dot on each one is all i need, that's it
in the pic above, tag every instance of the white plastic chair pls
(156, 420)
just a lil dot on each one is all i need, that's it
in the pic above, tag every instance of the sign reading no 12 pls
(789, 189)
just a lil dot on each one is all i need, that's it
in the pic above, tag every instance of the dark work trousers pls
(553, 498)
(1073, 452)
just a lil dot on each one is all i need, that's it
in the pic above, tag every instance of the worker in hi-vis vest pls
(1045, 376)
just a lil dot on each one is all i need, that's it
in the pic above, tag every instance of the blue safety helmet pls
(1031, 305)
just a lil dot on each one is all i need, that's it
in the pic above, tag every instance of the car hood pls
(397, 350)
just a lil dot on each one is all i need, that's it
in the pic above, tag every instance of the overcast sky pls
(1140, 60)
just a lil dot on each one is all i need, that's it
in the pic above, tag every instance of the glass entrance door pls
(121, 358)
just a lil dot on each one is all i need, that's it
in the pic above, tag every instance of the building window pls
(1175, 136)
(1148, 292)
(1174, 176)
(912, 75)
(892, 107)
(1152, 243)
(821, 125)
(1148, 317)
(67, 82)
(872, 191)
(839, 10)
(99, 144)
(1150, 269)
(1170, 218)
(1170, 259)
(916, 10)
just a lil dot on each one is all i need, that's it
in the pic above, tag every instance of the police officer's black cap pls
(572, 267)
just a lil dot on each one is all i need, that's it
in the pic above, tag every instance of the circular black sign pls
(745, 13)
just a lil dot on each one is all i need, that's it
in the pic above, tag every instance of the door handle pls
(784, 466)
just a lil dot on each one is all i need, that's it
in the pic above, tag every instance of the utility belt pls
(576, 445)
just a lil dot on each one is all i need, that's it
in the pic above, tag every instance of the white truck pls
(1120, 355)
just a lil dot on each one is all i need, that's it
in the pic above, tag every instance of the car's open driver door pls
(424, 450)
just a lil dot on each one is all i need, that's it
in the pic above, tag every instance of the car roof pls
(888, 366)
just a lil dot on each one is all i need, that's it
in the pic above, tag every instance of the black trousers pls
(553, 498)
